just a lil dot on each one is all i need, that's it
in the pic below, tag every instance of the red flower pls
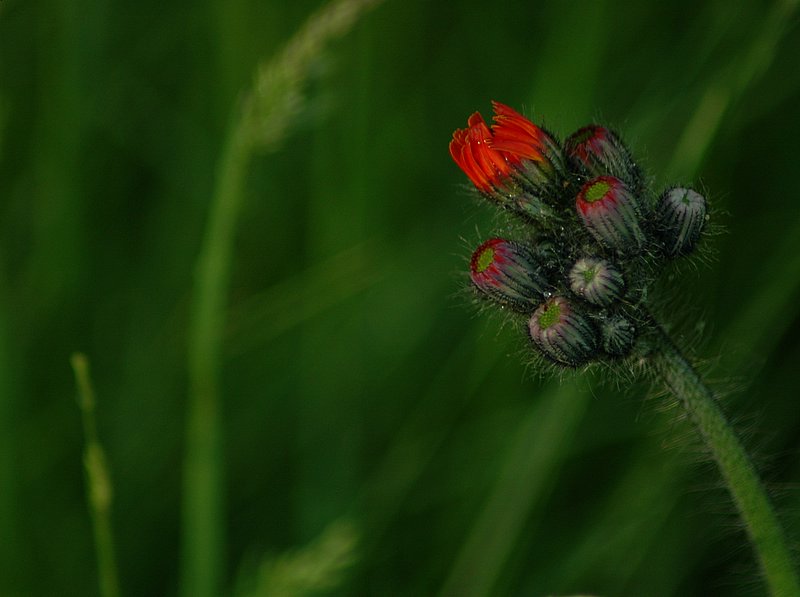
(518, 137)
(512, 148)
(471, 149)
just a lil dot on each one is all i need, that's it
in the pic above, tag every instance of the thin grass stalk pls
(262, 120)
(99, 491)
(9, 425)
(737, 470)
(203, 520)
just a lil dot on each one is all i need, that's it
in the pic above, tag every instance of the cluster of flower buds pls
(596, 236)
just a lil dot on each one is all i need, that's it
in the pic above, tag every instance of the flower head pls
(513, 162)
(610, 213)
(595, 242)
(507, 272)
(471, 149)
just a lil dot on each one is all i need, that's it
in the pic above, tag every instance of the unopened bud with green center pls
(681, 217)
(562, 333)
(610, 212)
(618, 335)
(596, 280)
(508, 273)
(597, 151)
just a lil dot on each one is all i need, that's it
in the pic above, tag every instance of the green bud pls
(596, 280)
(618, 335)
(681, 218)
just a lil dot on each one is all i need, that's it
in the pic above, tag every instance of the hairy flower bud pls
(562, 333)
(531, 150)
(596, 280)
(508, 273)
(512, 162)
(618, 336)
(681, 217)
(597, 151)
(609, 211)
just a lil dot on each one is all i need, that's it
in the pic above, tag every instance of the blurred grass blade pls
(263, 120)
(99, 491)
(308, 293)
(9, 430)
(702, 128)
(538, 450)
(421, 435)
(4, 110)
(762, 317)
(277, 98)
(319, 566)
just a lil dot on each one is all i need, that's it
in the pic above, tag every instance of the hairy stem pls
(738, 472)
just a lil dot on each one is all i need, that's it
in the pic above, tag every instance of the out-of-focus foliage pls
(358, 382)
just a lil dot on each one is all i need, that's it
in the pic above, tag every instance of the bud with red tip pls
(528, 148)
(596, 280)
(562, 333)
(508, 273)
(610, 212)
(513, 162)
(597, 151)
(681, 217)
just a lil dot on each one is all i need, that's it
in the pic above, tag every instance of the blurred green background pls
(379, 436)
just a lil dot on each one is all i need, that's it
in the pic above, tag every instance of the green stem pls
(738, 472)
(203, 503)
(263, 118)
(98, 481)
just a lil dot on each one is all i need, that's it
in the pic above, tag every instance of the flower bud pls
(513, 162)
(597, 151)
(618, 335)
(532, 151)
(681, 217)
(610, 213)
(508, 273)
(596, 280)
(562, 333)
